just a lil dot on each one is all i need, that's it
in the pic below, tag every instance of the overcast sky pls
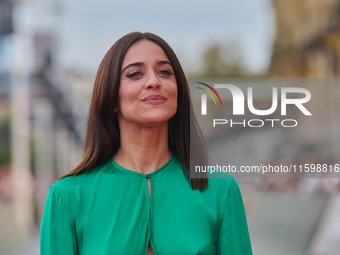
(86, 29)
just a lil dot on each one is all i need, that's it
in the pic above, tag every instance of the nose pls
(153, 82)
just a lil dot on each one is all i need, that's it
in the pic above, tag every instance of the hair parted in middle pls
(103, 135)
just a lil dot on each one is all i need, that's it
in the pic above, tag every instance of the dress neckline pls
(140, 174)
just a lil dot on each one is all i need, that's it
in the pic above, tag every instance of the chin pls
(156, 120)
(159, 116)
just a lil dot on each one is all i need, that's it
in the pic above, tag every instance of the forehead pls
(144, 51)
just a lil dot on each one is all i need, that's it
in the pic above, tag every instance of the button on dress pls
(108, 211)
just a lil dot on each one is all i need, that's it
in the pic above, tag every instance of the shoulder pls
(66, 184)
(66, 191)
(228, 197)
(72, 184)
(223, 187)
(226, 181)
(174, 167)
(176, 163)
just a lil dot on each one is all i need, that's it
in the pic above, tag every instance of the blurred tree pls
(307, 42)
(219, 62)
(4, 142)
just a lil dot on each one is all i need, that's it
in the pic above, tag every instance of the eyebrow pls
(160, 62)
(163, 62)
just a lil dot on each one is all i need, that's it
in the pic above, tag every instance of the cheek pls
(128, 99)
(172, 86)
(174, 95)
(126, 94)
(175, 91)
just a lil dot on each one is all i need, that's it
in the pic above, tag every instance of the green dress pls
(107, 211)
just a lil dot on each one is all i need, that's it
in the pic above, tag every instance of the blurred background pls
(50, 51)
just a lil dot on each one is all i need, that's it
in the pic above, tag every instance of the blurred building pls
(46, 109)
(307, 42)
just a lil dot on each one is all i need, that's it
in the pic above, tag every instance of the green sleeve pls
(234, 236)
(57, 234)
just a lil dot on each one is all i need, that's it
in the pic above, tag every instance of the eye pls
(134, 74)
(166, 72)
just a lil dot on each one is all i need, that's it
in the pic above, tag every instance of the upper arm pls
(57, 235)
(234, 236)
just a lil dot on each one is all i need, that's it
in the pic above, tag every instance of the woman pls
(132, 193)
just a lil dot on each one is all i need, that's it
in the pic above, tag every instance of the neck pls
(143, 149)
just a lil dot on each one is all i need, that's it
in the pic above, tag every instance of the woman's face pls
(148, 88)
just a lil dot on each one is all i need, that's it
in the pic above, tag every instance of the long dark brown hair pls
(103, 135)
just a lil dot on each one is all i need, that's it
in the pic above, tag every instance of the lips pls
(154, 99)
